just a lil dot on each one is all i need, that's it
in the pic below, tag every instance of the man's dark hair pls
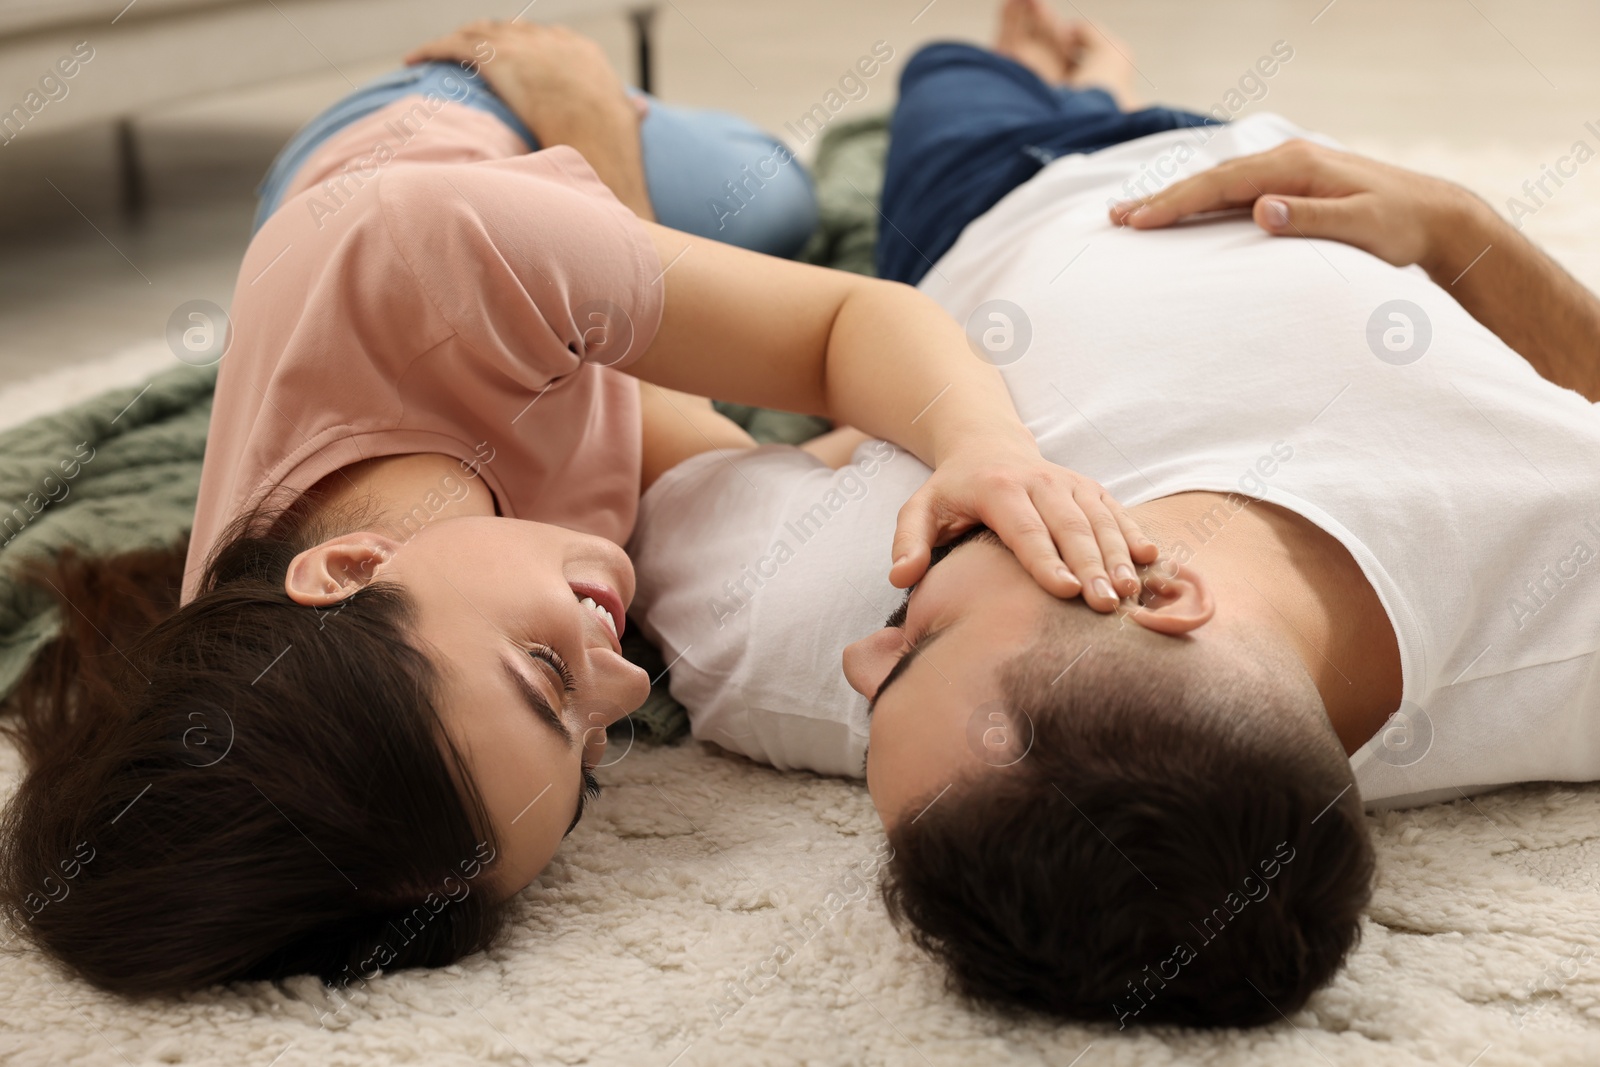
(1181, 843)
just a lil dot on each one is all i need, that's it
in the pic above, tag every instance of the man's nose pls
(867, 661)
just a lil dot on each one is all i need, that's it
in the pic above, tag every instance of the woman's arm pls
(677, 426)
(1300, 189)
(756, 330)
(886, 359)
(836, 446)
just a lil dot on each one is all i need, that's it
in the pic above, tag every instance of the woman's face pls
(514, 616)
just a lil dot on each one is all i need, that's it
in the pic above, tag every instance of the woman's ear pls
(1175, 600)
(331, 571)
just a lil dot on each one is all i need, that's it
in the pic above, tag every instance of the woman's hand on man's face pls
(1302, 189)
(1064, 528)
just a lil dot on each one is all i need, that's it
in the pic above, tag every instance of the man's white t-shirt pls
(1213, 357)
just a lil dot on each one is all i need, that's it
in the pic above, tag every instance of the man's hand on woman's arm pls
(560, 84)
(1301, 189)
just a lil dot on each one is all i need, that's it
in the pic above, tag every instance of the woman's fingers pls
(1064, 529)
(1115, 547)
(1049, 536)
(1141, 548)
(1079, 543)
(916, 529)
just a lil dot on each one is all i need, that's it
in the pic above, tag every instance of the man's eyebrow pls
(939, 555)
(543, 712)
(904, 665)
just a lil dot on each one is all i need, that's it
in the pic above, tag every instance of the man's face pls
(932, 672)
(940, 654)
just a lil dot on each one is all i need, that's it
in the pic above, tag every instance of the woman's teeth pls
(605, 616)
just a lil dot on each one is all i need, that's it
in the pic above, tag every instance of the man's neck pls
(1270, 569)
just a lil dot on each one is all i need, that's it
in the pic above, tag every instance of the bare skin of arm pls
(679, 425)
(836, 446)
(560, 84)
(874, 354)
(1502, 279)
(1523, 295)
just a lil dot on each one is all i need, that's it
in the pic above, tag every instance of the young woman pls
(375, 713)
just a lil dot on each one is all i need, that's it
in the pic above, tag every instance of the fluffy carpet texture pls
(711, 911)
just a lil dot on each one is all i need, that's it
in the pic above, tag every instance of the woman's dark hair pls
(1179, 845)
(240, 788)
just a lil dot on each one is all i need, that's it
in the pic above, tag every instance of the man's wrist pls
(1460, 227)
(587, 122)
(608, 139)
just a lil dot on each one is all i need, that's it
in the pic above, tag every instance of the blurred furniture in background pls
(150, 52)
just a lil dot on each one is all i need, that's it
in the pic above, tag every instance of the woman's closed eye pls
(549, 657)
(590, 791)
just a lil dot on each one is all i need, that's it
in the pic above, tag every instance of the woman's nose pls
(593, 718)
(598, 713)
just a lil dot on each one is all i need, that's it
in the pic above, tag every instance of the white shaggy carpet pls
(699, 871)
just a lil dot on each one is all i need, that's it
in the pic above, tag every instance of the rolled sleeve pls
(531, 260)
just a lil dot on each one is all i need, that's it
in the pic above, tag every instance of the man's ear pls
(1175, 600)
(331, 571)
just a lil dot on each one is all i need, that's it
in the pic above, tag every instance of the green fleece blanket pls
(121, 471)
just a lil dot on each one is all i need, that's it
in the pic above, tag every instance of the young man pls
(1380, 533)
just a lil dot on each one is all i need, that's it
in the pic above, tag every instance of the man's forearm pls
(1533, 305)
(610, 143)
(563, 88)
